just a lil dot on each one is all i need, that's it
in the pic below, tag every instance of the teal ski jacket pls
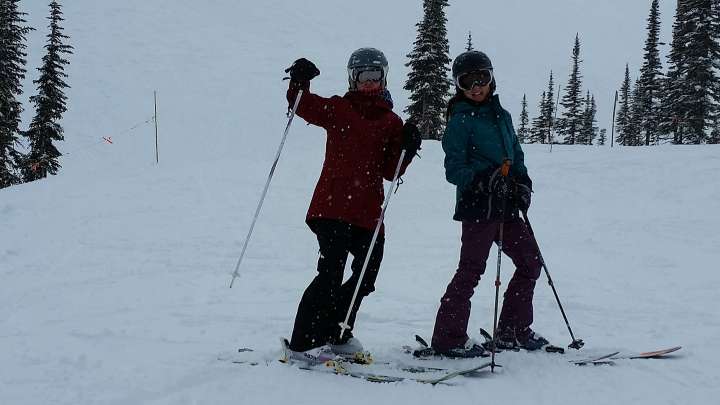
(477, 140)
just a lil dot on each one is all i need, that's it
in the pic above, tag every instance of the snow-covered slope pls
(115, 273)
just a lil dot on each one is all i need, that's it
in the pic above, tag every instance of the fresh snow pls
(115, 273)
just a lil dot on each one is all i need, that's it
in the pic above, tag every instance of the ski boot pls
(315, 356)
(471, 349)
(352, 351)
(529, 340)
(526, 339)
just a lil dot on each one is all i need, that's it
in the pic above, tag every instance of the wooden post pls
(552, 127)
(157, 155)
(612, 137)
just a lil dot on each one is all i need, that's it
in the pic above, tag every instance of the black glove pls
(411, 139)
(522, 191)
(491, 181)
(302, 70)
(522, 196)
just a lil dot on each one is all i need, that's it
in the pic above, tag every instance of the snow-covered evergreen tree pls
(651, 78)
(702, 80)
(542, 125)
(588, 130)
(537, 131)
(623, 116)
(49, 102)
(523, 132)
(13, 34)
(715, 134)
(548, 110)
(633, 130)
(691, 101)
(469, 46)
(429, 65)
(592, 121)
(602, 138)
(673, 102)
(571, 122)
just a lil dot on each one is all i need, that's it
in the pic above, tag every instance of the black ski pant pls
(326, 300)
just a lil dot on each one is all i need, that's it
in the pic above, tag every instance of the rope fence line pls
(105, 139)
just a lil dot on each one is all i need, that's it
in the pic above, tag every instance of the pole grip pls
(505, 171)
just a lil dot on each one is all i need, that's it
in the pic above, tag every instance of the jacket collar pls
(466, 105)
(370, 106)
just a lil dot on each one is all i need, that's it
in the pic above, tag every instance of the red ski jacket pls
(363, 146)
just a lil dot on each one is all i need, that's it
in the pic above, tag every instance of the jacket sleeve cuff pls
(294, 88)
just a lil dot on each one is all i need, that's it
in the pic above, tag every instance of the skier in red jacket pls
(365, 139)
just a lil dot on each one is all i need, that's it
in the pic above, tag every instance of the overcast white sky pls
(230, 52)
(528, 38)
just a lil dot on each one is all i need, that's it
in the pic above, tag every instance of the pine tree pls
(584, 131)
(49, 103)
(542, 125)
(674, 106)
(523, 132)
(571, 121)
(592, 121)
(651, 78)
(13, 34)
(692, 91)
(602, 138)
(715, 134)
(469, 46)
(588, 130)
(537, 129)
(633, 130)
(429, 65)
(623, 117)
(548, 110)
(702, 81)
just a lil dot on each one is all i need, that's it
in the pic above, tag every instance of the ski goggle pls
(367, 75)
(476, 78)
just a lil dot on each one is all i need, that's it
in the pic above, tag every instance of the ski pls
(609, 358)
(595, 359)
(362, 359)
(341, 368)
(345, 367)
(648, 355)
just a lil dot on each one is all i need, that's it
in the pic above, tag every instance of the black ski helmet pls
(471, 61)
(365, 58)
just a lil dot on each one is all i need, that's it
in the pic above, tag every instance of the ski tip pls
(422, 341)
(659, 353)
(285, 355)
(485, 334)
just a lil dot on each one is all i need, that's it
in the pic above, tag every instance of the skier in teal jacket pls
(478, 139)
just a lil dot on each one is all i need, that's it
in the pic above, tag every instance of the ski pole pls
(344, 325)
(504, 171)
(576, 343)
(267, 185)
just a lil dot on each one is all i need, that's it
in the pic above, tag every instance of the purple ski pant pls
(517, 310)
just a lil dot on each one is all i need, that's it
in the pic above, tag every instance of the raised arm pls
(314, 109)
